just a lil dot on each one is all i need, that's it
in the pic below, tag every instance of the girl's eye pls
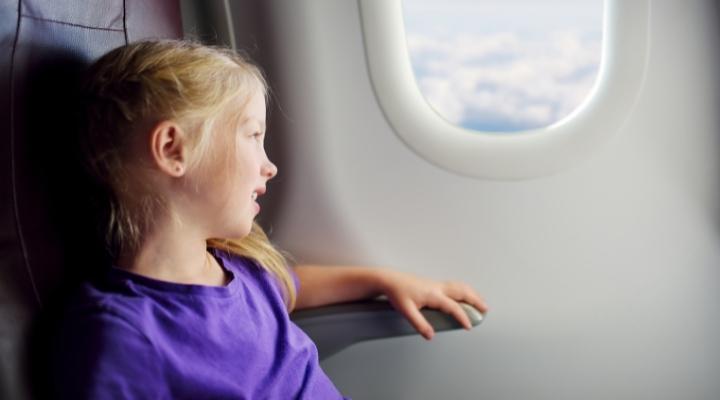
(257, 135)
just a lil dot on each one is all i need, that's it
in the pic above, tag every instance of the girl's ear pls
(168, 144)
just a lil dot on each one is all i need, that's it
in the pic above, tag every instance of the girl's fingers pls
(443, 297)
(479, 303)
(476, 301)
(453, 308)
(416, 319)
(464, 293)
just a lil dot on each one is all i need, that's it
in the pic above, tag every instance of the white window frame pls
(518, 155)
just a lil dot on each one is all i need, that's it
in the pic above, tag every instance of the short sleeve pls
(101, 356)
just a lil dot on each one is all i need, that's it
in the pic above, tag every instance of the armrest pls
(335, 327)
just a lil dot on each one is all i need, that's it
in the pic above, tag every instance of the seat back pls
(47, 235)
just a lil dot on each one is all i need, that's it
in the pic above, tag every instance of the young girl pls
(196, 304)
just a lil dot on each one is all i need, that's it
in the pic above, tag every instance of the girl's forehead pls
(249, 111)
(254, 110)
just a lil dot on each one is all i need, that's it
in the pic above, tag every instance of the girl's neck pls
(174, 256)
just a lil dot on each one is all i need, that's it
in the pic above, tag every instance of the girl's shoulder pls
(103, 301)
(103, 335)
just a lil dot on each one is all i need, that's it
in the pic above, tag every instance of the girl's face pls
(239, 174)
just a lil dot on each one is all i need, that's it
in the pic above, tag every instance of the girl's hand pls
(409, 293)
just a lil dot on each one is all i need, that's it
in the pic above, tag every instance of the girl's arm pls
(320, 285)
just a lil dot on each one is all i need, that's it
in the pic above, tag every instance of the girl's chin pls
(241, 233)
(238, 231)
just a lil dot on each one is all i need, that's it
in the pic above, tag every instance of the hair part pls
(148, 82)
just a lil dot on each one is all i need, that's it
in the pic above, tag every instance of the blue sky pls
(507, 65)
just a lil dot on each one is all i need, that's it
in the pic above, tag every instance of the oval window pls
(504, 65)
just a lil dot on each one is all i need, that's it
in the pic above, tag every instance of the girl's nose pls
(269, 170)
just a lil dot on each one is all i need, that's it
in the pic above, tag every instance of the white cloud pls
(503, 81)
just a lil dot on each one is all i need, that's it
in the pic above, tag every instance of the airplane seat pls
(46, 206)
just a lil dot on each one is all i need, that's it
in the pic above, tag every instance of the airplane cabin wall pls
(602, 279)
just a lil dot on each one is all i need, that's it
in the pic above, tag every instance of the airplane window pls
(504, 65)
(471, 71)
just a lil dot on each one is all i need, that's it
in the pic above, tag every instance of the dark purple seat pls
(46, 232)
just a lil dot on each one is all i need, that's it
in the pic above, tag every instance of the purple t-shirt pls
(129, 336)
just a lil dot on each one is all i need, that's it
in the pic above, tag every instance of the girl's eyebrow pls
(251, 121)
(248, 121)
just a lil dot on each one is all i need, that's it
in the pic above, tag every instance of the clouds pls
(505, 81)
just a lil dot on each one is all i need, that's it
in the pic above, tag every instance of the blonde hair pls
(182, 81)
